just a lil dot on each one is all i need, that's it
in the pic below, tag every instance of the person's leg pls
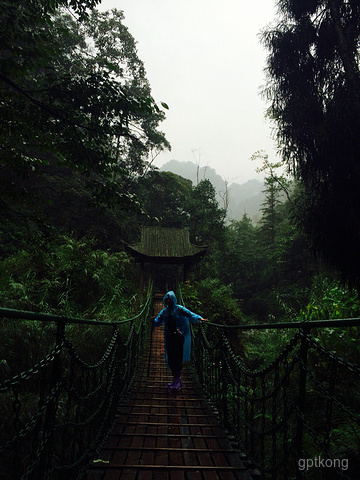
(174, 347)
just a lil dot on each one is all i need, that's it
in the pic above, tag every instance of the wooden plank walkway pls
(165, 436)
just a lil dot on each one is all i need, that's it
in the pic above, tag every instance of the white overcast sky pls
(204, 59)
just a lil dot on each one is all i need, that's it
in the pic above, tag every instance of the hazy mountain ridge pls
(243, 198)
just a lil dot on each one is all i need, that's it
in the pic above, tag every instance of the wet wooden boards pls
(165, 436)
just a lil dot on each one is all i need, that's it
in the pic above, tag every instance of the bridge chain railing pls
(57, 414)
(298, 417)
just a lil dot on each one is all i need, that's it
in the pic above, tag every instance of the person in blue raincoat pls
(177, 335)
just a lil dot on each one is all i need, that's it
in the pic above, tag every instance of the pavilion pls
(165, 246)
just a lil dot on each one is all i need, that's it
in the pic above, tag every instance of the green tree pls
(276, 186)
(314, 89)
(268, 264)
(270, 214)
(77, 121)
(163, 197)
(73, 95)
(206, 218)
(107, 46)
(242, 256)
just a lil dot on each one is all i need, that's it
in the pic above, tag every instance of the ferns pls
(67, 276)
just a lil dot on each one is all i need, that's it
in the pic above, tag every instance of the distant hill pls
(243, 198)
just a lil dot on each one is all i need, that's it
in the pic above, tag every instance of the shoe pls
(177, 384)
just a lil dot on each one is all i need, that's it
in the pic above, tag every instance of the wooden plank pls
(167, 437)
(157, 448)
(204, 468)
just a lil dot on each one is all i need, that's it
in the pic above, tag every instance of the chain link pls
(33, 371)
(70, 415)
(256, 396)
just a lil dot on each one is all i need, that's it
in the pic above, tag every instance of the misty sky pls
(204, 59)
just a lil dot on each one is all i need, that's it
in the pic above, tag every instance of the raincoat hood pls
(172, 296)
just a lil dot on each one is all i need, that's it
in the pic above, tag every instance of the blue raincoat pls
(182, 317)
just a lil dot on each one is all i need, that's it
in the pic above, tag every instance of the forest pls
(79, 130)
(79, 134)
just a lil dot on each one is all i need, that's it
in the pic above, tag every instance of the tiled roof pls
(166, 243)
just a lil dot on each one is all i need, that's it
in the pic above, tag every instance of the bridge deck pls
(164, 436)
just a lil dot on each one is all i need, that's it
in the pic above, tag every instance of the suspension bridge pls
(64, 418)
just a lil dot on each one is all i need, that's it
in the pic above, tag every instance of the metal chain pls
(257, 405)
(7, 384)
(88, 396)
(325, 391)
(29, 426)
(330, 355)
(106, 355)
(230, 370)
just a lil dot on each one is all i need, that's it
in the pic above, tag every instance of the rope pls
(269, 411)
(60, 411)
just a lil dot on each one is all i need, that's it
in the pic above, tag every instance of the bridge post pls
(141, 280)
(304, 347)
(50, 415)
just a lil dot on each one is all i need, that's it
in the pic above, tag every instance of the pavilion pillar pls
(141, 280)
(186, 272)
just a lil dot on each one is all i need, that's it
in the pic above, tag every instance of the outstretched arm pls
(157, 321)
(193, 317)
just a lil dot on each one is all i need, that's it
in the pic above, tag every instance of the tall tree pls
(206, 218)
(276, 186)
(73, 91)
(270, 216)
(163, 196)
(242, 256)
(314, 89)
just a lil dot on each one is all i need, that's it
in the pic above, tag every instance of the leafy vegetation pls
(79, 131)
(313, 87)
(61, 277)
(66, 215)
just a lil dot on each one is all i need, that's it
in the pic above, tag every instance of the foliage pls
(172, 201)
(215, 300)
(78, 121)
(313, 86)
(276, 186)
(65, 277)
(163, 197)
(262, 347)
(68, 277)
(268, 265)
(206, 222)
(330, 299)
(65, 101)
(242, 257)
(107, 47)
(207, 218)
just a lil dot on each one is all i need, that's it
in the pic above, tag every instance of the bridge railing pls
(55, 415)
(297, 417)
